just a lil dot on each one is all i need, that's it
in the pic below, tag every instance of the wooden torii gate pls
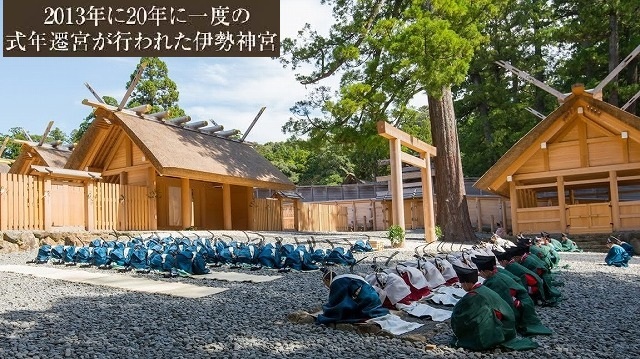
(397, 139)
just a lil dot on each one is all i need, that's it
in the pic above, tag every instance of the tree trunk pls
(452, 213)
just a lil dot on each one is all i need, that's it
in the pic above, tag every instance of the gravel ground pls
(44, 318)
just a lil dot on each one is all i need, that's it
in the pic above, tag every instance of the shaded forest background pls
(558, 42)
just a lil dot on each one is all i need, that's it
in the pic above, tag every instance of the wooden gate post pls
(46, 202)
(89, 205)
(4, 202)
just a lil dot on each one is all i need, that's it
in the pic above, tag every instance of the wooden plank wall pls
(106, 206)
(21, 202)
(134, 204)
(267, 214)
(322, 217)
(629, 215)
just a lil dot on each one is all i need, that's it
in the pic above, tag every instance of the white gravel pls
(44, 318)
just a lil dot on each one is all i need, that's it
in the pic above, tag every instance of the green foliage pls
(155, 88)
(438, 231)
(396, 234)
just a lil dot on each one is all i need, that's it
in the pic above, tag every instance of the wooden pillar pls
(296, 215)
(396, 183)
(503, 213)
(4, 202)
(513, 193)
(427, 200)
(226, 206)
(479, 215)
(562, 205)
(152, 191)
(90, 204)
(185, 195)
(47, 204)
(251, 214)
(373, 214)
(615, 200)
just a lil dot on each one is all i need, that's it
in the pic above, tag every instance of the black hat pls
(466, 275)
(484, 262)
(613, 240)
(544, 234)
(517, 251)
(524, 242)
(502, 256)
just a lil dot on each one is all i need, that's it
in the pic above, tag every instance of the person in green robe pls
(481, 319)
(521, 255)
(568, 245)
(543, 250)
(512, 292)
(529, 280)
(557, 246)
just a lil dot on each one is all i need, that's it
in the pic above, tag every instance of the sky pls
(231, 91)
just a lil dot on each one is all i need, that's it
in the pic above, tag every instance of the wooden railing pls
(40, 203)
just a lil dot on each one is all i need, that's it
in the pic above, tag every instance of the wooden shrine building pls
(40, 154)
(194, 177)
(576, 171)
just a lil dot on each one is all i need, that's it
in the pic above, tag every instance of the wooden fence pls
(271, 214)
(42, 203)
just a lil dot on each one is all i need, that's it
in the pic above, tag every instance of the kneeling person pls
(512, 292)
(481, 319)
(351, 300)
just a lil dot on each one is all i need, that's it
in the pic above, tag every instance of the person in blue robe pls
(627, 247)
(351, 300)
(616, 256)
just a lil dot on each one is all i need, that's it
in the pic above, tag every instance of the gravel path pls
(44, 318)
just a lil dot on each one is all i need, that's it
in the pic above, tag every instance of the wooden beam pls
(589, 181)
(405, 175)
(246, 133)
(582, 143)
(226, 206)
(628, 178)
(251, 214)
(152, 191)
(562, 203)
(48, 219)
(132, 85)
(575, 171)
(185, 194)
(90, 204)
(386, 130)
(117, 171)
(4, 202)
(615, 200)
(212, 177)
(515, 228)
(412, 160)
(46, 133)
(538, 185)
(397, 200)
(427, 201)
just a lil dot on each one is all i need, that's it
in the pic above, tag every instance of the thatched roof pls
(532, 137)
(41, 155)
(178, 152)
